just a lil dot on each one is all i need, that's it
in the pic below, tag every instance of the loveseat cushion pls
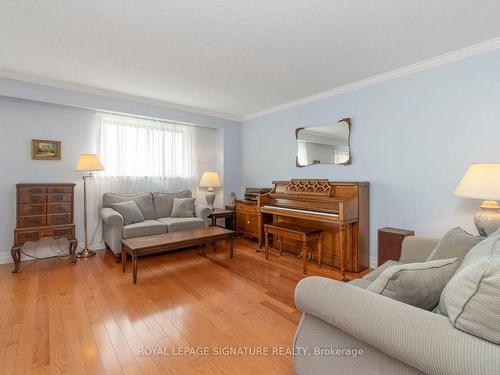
(456, 243)
(176, 224)
(417, 284)
(489, 247)
(372, 276)
(129, 211)
(143, 200)
(183, 207)
(471, 300)
(144, 228)
(163, 202)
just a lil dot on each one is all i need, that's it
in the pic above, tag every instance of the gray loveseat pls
(396, 338)
(156, 208)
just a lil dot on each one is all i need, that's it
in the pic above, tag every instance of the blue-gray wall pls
(412, 139)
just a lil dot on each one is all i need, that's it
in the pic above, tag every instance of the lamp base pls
(210, 197)
(85, 253)
(488, 219)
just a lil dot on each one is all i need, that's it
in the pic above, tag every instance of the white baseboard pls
(5, 258)
(373, 262)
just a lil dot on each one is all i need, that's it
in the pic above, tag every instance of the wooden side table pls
(389, 243)
(219, 213)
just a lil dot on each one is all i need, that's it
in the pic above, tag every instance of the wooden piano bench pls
(294, 232)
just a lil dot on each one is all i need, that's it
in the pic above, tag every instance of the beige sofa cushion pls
(183, 207)
(417, 284)
(361, 283)
(144, 228)
(471, 300)
(143, 200)
(372, 276)
(129, 211)
(487, 248)
(176, 224)
(456, 243)
(164, 202)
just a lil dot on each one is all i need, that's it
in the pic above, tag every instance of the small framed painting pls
(45, 150)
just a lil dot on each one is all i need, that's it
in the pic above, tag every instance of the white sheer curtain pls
(141, 154)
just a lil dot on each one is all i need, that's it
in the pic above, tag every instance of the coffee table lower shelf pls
(148, 245)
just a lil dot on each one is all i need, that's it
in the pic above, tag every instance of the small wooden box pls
(389, 243)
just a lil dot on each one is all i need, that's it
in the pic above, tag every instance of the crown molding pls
(449, 57)
(7, 74)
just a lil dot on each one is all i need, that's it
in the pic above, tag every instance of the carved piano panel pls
(334, 207)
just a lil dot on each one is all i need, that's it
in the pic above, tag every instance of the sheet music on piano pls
(340, 209)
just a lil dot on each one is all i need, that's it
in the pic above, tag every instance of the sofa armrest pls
(201, 211)
(111, 217)
(419, 338)
(417, 249)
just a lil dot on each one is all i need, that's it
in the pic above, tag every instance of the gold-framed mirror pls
(326, 144)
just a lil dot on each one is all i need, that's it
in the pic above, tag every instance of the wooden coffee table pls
(160, 243)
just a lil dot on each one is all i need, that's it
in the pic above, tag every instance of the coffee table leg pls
(214, 246)
(134, 261)
(124, 260)
(231, 250)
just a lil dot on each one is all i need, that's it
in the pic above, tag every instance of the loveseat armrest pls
(201, 211)
(419, 338)
(417, 248)
(111, 217)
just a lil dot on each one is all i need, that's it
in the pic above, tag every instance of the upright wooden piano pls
(340, 209)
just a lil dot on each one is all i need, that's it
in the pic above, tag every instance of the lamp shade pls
(481, 181)
(210, 179)
(89, 162)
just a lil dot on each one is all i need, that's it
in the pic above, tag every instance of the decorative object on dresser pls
(45, 150)
(300, 233)
(327, 144)
(43, 210)
(219, 213)
(210, 180)
(482, 181)
(87, 163)
(340, 209)
(390, 241)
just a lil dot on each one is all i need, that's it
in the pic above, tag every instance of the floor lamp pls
(87, 163)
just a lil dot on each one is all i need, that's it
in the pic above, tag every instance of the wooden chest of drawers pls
(247, 218)
(44, 210)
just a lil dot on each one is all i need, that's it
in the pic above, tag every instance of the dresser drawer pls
(21, 237)
(59, 189)
(32, 221)
(59, 208)
(59, 197)
(59, 219)
(64, 232)
(33, 190)
(246, 207)
(32, 198)
(32, 209)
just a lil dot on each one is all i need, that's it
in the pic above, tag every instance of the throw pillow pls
(183, 207)
(130, 212)
(417, 284)
(455, 243)
(471, 300)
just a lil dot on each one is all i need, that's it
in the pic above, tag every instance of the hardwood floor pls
(88, 318)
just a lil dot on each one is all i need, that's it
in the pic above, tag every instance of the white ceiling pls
(233, 57)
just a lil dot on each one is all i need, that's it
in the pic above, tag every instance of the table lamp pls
(482, 181)
(210, 180)
(88, 163)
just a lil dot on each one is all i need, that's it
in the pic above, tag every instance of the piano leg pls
(266, 240)
(342, 230)
(281, 245)
(320, 240)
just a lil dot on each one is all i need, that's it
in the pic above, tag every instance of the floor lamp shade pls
(482, 181)
(88, 163)
(210, 180)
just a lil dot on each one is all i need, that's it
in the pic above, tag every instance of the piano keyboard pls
(275, 208)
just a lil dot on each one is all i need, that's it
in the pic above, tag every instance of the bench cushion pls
(176, 224)
(144, 228)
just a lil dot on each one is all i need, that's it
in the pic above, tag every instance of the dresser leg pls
(16, 257)
(73, 244)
